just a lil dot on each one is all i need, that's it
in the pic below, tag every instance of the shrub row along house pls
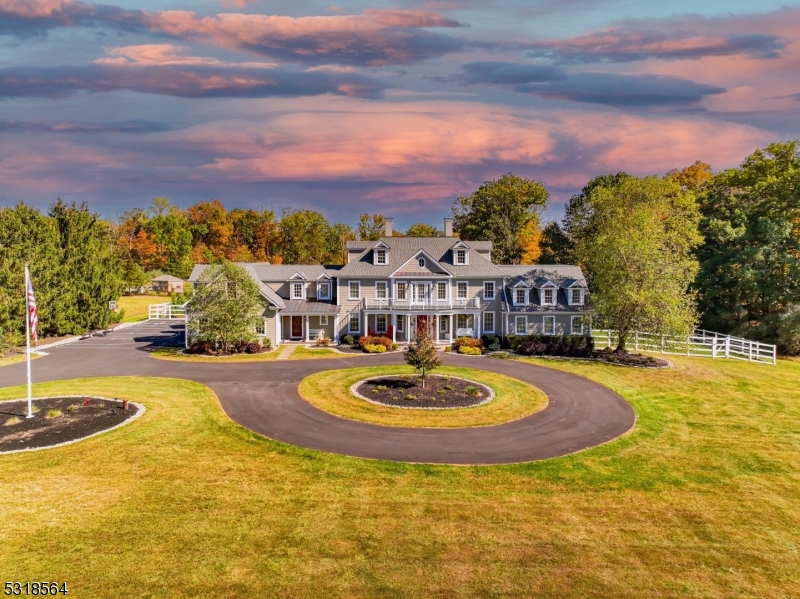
(402, 286)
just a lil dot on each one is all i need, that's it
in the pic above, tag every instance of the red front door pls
(422, 324)
(297, 326)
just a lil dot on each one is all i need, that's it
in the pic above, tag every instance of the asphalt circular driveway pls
(263, 397)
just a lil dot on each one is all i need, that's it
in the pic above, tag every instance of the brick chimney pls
(388, 231)
(448, 227)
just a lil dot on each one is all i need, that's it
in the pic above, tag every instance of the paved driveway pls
(262, 397)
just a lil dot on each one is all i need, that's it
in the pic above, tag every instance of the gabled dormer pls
(380, 254)
(460, 254)
(575, 291)
(324, 287)
(297, 286)
(519, 293)
(422, 263)
(548, 292)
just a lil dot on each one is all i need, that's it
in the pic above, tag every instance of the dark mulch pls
(75, 422)
(626, 359)
(407, 392)
(357, 349)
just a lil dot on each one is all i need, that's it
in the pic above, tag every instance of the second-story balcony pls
(473, 303)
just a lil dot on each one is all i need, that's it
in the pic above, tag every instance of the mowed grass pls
(137, 306)
(330, 391)
(175, 355)
(301, 352)
(701, 499)
(15, 358)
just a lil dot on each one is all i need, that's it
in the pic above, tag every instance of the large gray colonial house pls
(399, 286)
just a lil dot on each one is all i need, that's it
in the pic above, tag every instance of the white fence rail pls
(704, 344)
(167, 310)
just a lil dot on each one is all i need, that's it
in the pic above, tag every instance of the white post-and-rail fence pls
(704, 344)
(167, 311)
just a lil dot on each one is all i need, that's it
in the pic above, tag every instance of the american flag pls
(33, 317)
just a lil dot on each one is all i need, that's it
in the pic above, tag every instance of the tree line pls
(661, 253)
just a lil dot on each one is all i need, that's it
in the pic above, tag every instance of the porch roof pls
(309, 307)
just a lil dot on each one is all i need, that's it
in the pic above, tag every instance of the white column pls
(478, 325)
(278, 319)
(336, 327)
(305, 320)
(394, 327)
(452, 326)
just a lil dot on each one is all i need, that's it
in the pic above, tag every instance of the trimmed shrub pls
(201, 347)
(549, 345)
(490, 340)
(253, 347)
(466, 342)
(348, 340)
(375, 349)
(494, 347)
(469, 351)
(266, 342)
(240, 346)
(384, 341)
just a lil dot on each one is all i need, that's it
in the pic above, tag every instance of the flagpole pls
(28, 340)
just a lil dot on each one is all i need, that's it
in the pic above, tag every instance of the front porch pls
(404, 327)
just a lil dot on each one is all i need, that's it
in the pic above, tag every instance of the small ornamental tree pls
(225, 305)
(421, 354)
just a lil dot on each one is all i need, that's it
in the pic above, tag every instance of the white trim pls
(327, 285)
(466, 294)
(298, 275)
(428, 258)
(350, 318)
(446, 286)
(302, 290)
(485, 328)
(517, 320)
(544, 326)
(456, 252)
(376, 254)
(494, 288)
(349, 290)
(405, 291)
(444, 324)
(514, 292)
(581, 324)
(323, 320)
(326, 275)
(552, 302)
(570, 291)
(386, 288)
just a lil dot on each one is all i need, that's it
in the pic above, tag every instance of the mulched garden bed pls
(58, 420)
(440, 392)
(347, 349)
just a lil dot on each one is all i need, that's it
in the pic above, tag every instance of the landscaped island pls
(440, 392)
(59, 420)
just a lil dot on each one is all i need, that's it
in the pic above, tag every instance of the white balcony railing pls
(473, 303)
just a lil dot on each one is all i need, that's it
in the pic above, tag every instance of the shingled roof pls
(403, 249)
(536, 275)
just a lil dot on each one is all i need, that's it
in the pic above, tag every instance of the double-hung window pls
(401, 291)
(443, 323)
(461, 257)
(488, 290)
(441, 291)
(354, 325)
(549, 325)
(297, 290)
(519, 297)
(380, 256)
(323, 291)
(461, 321)
(576, 325)
(261, 327)
(380, 290)
(380, 323)
(547, 297)
(521, 325)
(461, 290)
(575, 297)
(323, 321)
(488, 322)
(400, 325)
(354, 292)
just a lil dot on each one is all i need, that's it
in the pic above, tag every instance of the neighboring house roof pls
(309, 307)
(265, 271)
(402, 249)
(167, 279)
(536, 276)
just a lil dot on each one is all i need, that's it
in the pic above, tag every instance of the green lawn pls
(330, 391)
(701, 499)
(15, 358)
(136, 306)
(301, 352)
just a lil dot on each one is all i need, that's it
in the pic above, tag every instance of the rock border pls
(355, 385)
(141, 410)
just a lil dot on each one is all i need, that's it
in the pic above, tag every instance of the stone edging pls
(388, 376)
(141, 410)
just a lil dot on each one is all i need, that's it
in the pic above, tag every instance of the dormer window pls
(576, 297)
(297, 290)
(520, 297)
(547, 297)
(380, 256)
(461, 257)
(324, 291)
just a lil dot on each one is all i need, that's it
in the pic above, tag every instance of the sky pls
(383, 107)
